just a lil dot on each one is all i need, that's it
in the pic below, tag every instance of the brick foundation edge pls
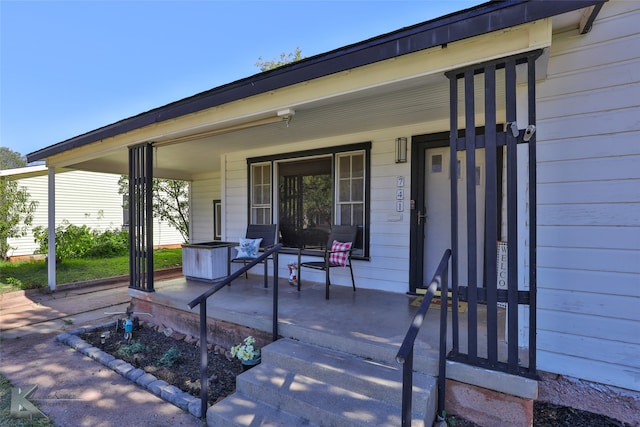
(487, 407)
(219, 332)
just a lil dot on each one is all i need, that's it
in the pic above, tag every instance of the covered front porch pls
(367, 323)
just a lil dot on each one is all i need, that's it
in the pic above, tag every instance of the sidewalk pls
(74, 390)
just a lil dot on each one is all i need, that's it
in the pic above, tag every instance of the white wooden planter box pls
(205, 261)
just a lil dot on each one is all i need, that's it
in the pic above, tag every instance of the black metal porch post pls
(141, 217)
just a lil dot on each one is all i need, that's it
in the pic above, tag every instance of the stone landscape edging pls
(167, 392)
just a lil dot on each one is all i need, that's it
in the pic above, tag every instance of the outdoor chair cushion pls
(248, 248)
(339, 253)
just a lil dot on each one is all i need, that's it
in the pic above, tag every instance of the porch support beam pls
(453, 167)
(51, 263)
(533, 219)
(491, 210)
(141, 217)
(512, 217)
(472, 240)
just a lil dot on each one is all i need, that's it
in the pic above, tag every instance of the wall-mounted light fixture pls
(401, 150)
(528, 132)
(287, 114)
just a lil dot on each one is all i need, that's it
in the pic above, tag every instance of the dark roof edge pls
(481, 19)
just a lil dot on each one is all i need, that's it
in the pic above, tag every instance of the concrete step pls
(317, 386)
(240, 410)
(376, 380)
(425, 357)
(320, 402)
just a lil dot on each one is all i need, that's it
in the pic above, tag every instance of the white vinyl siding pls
(589, 202)
(203, 193)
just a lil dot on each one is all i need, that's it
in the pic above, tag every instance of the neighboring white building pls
(82, 198)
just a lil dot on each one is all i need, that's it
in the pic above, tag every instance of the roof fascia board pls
(482, 19)
(24, 172)
(30, 172)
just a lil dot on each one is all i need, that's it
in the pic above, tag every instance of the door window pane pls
(436, 163)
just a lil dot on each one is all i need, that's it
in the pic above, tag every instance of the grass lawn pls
(33, 274)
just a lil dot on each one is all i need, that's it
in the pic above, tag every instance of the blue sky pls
(68, 67)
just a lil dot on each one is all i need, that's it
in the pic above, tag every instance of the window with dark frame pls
(315, 189)
(217, 220)
(261, 193)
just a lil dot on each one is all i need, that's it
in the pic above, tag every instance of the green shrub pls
(132, 348)
(17, 283)
(170, 357)
(74, 241)
(109, 243)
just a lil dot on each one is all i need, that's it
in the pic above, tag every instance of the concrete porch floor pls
(368, 323)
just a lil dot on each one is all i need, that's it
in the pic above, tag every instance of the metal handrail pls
(202, 300)
(405, 353)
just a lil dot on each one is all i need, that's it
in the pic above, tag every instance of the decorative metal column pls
(494, 140)
(141, 217)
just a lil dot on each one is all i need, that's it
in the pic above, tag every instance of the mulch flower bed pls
(171, 357)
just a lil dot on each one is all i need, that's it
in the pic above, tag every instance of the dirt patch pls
(618, 403)
(152, 351)
(550, 415)
(170, 358)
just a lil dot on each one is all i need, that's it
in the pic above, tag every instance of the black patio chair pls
(266, 232)
(332, 256)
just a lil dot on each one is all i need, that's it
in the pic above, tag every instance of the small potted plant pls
(247, 352)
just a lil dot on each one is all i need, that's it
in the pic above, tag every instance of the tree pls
(16, 213)
(16, 210)
(170, 202)
(10, 159)
(317, 200)
(284, 60)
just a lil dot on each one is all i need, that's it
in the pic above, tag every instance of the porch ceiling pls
(412, 101)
